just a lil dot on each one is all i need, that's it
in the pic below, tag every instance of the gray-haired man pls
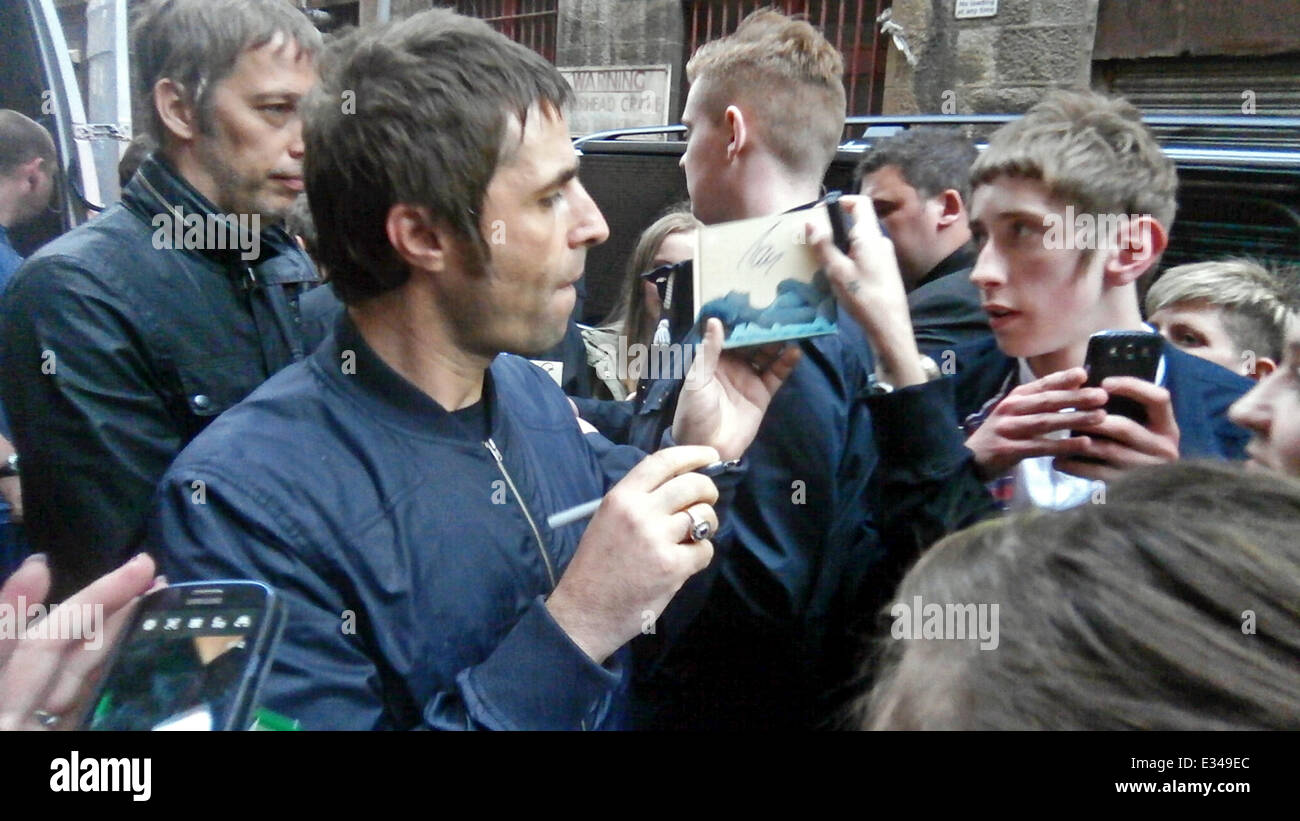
(122, 339)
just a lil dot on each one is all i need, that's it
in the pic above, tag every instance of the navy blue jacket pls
(414, 566)
(841, 494)
(1200, 391)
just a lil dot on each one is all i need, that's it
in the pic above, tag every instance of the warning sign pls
(610, 97)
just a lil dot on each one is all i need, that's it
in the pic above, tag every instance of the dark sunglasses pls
(664, 274)
(660, 276)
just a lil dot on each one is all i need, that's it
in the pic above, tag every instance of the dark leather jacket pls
(116, 350)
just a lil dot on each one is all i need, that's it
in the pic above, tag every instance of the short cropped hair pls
(1175, 605)
(788, 76)
(22, 140)
(433, 97)
(931, 160)
(1256, 304)
(196, 43)
(1091, 151)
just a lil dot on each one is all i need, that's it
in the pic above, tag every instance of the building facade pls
(626, 58)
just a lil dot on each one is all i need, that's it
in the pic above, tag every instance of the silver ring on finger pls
(45, 719)
(699, 529)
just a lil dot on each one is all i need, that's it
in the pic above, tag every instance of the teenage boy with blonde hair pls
(1271, 412)
(1232, 312)
(1076, 160)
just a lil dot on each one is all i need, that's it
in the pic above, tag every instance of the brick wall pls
(993, 64)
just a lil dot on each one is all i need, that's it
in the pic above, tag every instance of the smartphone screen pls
(192, 659)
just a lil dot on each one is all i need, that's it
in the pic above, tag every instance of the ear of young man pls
(739, 131)
(1141, 241)
(1117, 443)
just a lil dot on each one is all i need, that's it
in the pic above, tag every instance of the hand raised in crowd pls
(868, 285)
(1017, 427)
(726, 394)
(47, 682)
(1120, 443)
(637, 551)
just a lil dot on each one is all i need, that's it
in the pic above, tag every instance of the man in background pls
(125, 337)
(919, 184)
(1232, 312)
(27, 165)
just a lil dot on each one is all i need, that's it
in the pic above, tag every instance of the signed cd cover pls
(761, 278)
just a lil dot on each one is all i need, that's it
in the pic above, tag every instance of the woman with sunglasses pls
(668, 241)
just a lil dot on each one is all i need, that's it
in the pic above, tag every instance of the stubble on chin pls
(238, 195)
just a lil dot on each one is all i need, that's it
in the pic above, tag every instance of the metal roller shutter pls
(1209, 86)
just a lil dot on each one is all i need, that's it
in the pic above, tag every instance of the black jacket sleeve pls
(946, 314)
(926, 477)
(88, 414)
(924, 487)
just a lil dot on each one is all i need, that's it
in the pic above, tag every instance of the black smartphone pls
(1123, 353)
(193, 658)
(841, 224)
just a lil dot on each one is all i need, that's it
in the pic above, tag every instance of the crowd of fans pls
(375, 442)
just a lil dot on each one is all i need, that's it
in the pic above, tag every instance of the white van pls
(37, 78)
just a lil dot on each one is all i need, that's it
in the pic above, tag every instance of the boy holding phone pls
(1070, 205)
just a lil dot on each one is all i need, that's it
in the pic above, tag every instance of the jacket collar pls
(158, 189)
(389, 396)
(963, 257)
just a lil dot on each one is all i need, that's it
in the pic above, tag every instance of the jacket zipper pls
(541, 547)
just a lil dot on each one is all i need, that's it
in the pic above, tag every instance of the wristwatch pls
(9, 467)
(879, 387)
